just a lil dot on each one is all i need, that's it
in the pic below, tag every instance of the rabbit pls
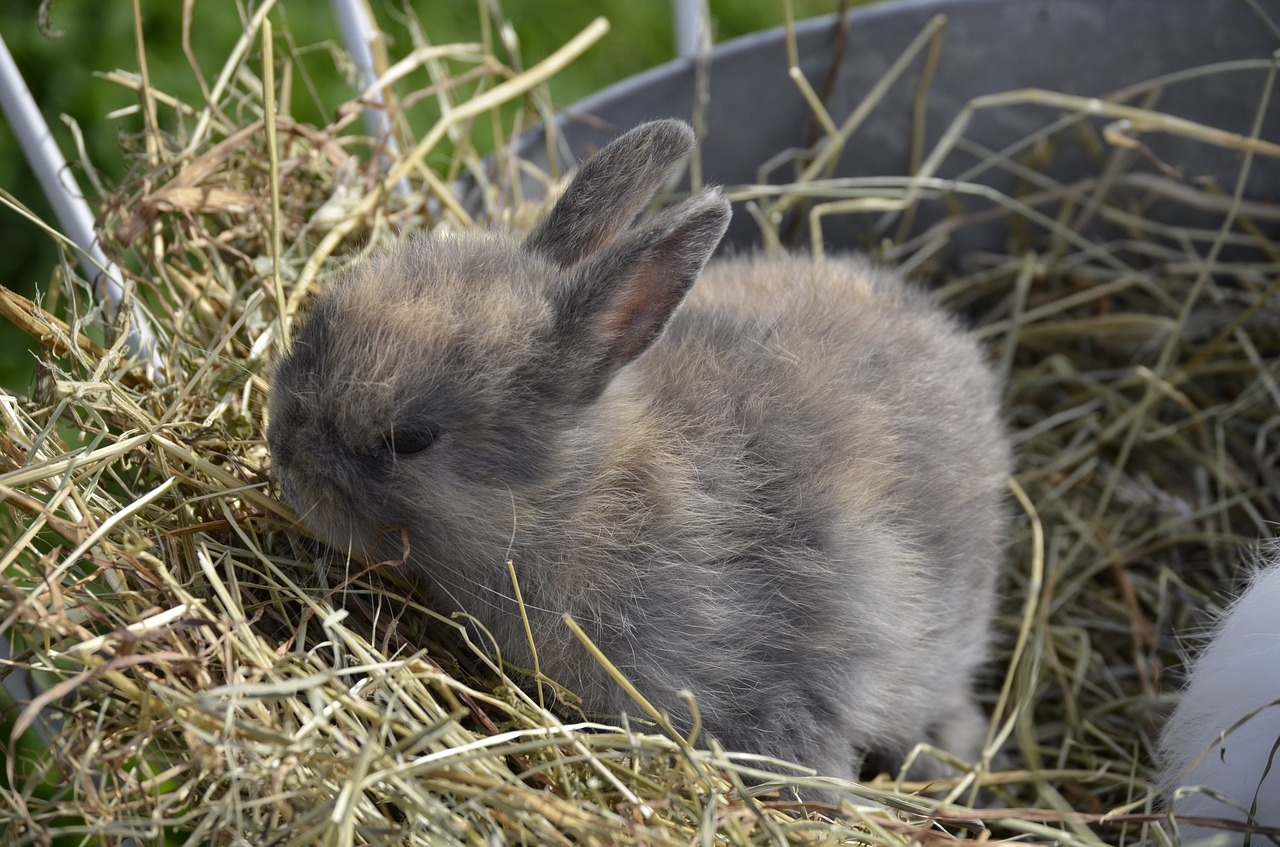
(779, 488)
(1225, 732)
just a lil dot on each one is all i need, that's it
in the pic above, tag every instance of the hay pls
(208, 686)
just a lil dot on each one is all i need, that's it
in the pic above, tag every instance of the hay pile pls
(207, 684)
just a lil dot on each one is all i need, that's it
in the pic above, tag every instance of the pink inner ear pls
(625, 296)
(640, 310)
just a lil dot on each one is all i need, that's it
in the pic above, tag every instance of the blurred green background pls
(63, 47)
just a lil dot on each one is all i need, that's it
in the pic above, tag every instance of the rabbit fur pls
(779, 489)
(1233, 688)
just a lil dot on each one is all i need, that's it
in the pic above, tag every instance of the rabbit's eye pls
(407, 442)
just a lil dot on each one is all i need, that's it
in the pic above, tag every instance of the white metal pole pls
(690, 18)
(356, 24)
(68, 203)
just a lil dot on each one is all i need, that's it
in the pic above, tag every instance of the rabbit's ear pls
(611, 308)
(609, 190)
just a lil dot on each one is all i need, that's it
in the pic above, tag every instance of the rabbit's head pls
(431, 388)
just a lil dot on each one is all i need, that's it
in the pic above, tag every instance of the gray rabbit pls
(779, 489)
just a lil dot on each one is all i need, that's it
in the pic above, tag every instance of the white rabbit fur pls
(1237, 674)
(782, 492)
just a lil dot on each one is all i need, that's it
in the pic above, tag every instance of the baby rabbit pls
(1236, 680)
(779, 489)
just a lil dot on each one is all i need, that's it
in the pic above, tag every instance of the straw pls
(219, 677)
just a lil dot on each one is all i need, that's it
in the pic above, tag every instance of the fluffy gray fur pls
(782, 492)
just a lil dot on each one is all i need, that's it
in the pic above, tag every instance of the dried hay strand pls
(211, 676)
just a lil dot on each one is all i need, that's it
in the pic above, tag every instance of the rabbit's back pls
(861, 395)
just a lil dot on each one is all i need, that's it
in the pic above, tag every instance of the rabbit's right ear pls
(610, 190)
(609, 309)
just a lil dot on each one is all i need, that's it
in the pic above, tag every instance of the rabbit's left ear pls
(609, 190)
(608, 310)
